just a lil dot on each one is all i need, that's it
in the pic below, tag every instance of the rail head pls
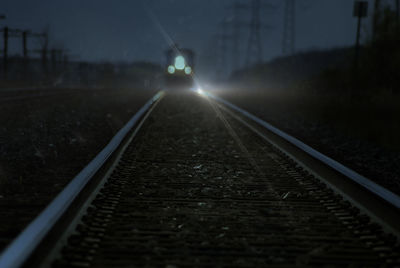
(20, 249)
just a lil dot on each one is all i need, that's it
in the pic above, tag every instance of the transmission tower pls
(236, 25)
(44, 42)
(223, 38)
(254, 47)
(254, 53)
(7, 33)
(289, 28)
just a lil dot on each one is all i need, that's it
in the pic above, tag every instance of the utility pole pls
(397, 15)
(25, 52)
(7, 33)
(376, 18)
(24, 44)
(53, 57)
(360, 11)
(289, 28)
(45, 44)
(5, 47)
(254, 47)
(5, 52)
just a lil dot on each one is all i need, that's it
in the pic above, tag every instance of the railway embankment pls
(360, 133)
(46, 139)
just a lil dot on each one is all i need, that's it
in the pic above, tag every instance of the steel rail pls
(371, 186)
(23, 246)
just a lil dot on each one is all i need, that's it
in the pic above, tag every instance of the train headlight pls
(171, 69)
(200, 91)
(180, 63)
(188, 70)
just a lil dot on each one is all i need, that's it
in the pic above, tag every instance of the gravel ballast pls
(376, 161)
(45, 141)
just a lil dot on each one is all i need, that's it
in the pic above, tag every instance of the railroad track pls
(195, 181)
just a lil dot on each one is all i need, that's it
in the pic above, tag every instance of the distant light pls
(180, 63)
(188, 70)
(171, 69)
(200, 91)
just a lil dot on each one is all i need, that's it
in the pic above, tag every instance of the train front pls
(179, 68)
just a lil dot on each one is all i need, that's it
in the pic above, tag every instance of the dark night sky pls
(122, 30)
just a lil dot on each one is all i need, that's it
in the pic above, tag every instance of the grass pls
(376, 119)
(371, 117)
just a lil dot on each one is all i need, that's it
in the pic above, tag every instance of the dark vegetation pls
(283, 72)
(47, 140)
(351, 114)
(325, 85)
(334, 71)
(56, 114)
(78, 73)
(54, 119)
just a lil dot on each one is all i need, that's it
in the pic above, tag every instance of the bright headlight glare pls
(171, 69)
(188, 70)
(200, 91)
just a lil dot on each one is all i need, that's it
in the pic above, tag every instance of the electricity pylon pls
(254, 47)
(223, 37)
(236, 25)
(289, 28)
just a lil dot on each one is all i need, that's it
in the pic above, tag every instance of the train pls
(179, 69)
